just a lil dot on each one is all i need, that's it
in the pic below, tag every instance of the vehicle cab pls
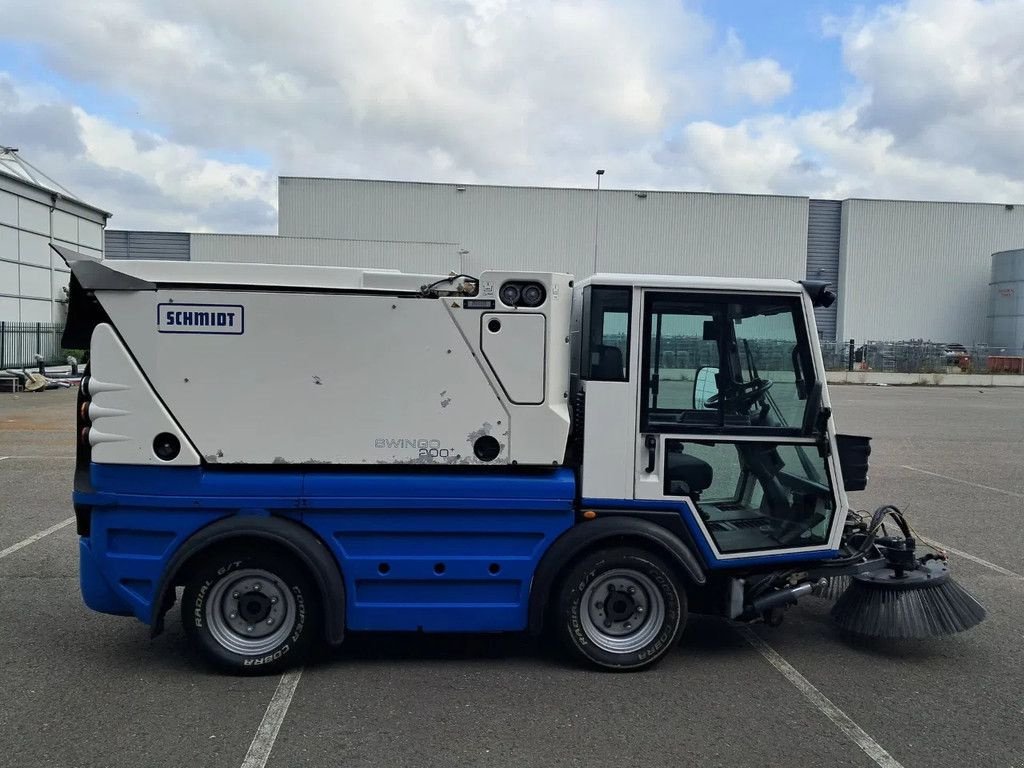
(707, 396)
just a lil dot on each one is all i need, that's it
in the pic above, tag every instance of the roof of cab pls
(700, 283)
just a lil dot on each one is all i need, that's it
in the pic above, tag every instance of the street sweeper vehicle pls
(307, 452)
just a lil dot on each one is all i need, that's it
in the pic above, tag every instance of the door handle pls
(651, 443)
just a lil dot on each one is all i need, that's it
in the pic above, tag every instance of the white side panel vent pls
(513, 344)
(124, 413)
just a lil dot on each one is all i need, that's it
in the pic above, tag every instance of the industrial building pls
(903, 269)
(35, 211)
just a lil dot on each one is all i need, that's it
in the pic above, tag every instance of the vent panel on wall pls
(824, 219)
(132, 244)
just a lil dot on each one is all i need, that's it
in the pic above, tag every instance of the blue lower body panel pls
(441, 552)
(126, 553)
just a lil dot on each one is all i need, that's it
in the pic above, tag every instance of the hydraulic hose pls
(872, 531)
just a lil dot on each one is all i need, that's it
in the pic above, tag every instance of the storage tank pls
(1006, 301)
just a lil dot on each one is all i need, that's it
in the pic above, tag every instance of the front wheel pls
(621, 609)
(249, 611)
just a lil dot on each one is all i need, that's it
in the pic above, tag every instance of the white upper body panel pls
(279, 367)
(272, 275)
(124, 413)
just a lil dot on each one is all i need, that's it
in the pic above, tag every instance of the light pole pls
(597, 214)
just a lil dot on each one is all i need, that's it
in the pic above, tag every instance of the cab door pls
(728, 427)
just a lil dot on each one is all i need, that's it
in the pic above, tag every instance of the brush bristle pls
(875, 610)
(833, 589)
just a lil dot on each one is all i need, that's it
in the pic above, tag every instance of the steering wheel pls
(739, 397)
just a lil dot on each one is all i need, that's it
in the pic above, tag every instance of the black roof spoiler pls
(85, 312)
(93, 275)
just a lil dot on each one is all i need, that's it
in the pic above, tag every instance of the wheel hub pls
(254, 606)
(622, 610)
(250, 611)
(619, 606)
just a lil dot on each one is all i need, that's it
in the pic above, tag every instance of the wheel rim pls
(622, 611)
(250, 612)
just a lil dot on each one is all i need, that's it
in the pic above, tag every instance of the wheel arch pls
(288, 535)
(612, 530)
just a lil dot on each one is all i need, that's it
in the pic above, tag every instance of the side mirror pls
(821, 292)
(705, 386)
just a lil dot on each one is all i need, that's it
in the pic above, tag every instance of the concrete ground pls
(84, 689)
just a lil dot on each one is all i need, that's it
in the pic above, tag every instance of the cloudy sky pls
(181, 114)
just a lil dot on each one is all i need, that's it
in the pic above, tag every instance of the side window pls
(725, 363)
(606, 335)
(706, 471)
(678, 351)
(753, 495)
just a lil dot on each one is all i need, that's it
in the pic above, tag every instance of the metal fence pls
(21, 342)
(917, 356)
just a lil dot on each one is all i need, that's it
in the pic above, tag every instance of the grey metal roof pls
(13, 164)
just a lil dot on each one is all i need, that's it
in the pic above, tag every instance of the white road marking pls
(959, 552)
(854, 732)
(66, 458)
(35, 537)
(967, 482)
(973, 558)
(266, 734)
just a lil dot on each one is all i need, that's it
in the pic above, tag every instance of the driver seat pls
(687, 475)
(608, 366)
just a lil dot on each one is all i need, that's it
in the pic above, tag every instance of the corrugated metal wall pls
(921, 270)
(824, 224)
(135, 244)
(33, 279)
(415, 257)
(553, 229)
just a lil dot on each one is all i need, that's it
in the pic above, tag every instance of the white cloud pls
(144, 179)
(946, 79)
(763, 81)
(753, 156)
(936, 114)
(491, 83)
(505, 91)
(518, 91)
(827, 154)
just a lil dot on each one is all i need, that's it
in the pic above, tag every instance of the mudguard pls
(605, 530)
(290, 535)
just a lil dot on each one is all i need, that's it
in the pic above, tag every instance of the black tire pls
(271, 589)
(656, 591)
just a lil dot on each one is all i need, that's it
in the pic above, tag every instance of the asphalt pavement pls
(84, 689)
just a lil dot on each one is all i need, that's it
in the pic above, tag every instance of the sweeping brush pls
(898, 602)
(833, 588)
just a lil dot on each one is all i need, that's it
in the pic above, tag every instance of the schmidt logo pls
(226, 319)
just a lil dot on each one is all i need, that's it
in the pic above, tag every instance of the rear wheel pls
(250, 611)
(621, 609)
